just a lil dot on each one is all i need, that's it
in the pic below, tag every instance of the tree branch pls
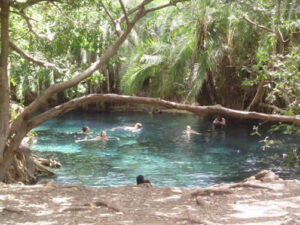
(115, 22)
(38, 36)
(133, 10)
(124, 11)
(257, 25)
(272, 107)
(24, 5)
(23, 15)
(276, 32)
(159, 7)
(200, 110)
(33, 60)
(107, 12)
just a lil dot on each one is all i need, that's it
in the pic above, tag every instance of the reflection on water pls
(161, 150)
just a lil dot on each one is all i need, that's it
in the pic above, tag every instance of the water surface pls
(161, 151)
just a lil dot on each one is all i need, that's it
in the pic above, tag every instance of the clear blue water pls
(161, 151)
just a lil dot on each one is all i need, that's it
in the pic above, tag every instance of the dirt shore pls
(262, 199)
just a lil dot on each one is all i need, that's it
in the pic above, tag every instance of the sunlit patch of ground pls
(261, 200)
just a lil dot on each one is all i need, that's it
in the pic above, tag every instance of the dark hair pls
(85, 128)
(140, 179)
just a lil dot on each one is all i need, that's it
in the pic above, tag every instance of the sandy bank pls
(263, 199)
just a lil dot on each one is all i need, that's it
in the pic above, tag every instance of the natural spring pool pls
(161, 152)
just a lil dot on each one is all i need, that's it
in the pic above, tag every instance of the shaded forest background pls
(240, 54)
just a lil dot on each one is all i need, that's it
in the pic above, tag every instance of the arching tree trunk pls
(199, 110)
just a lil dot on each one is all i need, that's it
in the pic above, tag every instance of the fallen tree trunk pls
(200, 110)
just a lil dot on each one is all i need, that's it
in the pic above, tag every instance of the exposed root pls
(26, 166)
(52, 162)
(210, 192)
(104, 204)
(245, 185)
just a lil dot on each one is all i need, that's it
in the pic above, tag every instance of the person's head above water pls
(85, 130)
(103, 134)
(141, 180)
(219, 117)
(188, 128)
(138, 126)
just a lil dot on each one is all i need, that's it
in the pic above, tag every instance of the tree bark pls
(4, 85)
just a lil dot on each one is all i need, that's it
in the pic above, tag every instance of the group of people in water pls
(103, 136)
(219, 122)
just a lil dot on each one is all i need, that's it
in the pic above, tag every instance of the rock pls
(266, 176)
(46, 182)
(201, 202)
(263, 176)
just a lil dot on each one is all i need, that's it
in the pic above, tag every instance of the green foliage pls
(158, 65)
(78, 34)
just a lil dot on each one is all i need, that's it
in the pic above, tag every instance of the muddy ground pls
(262, 199)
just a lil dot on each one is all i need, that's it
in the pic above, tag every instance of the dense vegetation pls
(242, 55)
(239, 54)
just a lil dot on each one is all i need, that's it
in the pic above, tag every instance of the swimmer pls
(219, 122)
(85, 130)
(137, 127)
(189, 130)
(102, 137)
(141, 180)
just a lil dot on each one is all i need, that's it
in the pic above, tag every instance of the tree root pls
(52, 162)
(211, 192)
(26, 167)
(104, 204)
(246, 185)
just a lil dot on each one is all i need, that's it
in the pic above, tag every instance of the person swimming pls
(103, 137)
(219, 122)
(85, 130)
(141, 180)
(137, 127)
(189, 130)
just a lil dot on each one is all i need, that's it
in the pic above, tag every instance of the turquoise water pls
(161, 151)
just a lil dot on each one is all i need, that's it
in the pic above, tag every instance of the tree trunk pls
(107, 79)
(279, 37)
(258, 96)
(212, 89)
(4, 85)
